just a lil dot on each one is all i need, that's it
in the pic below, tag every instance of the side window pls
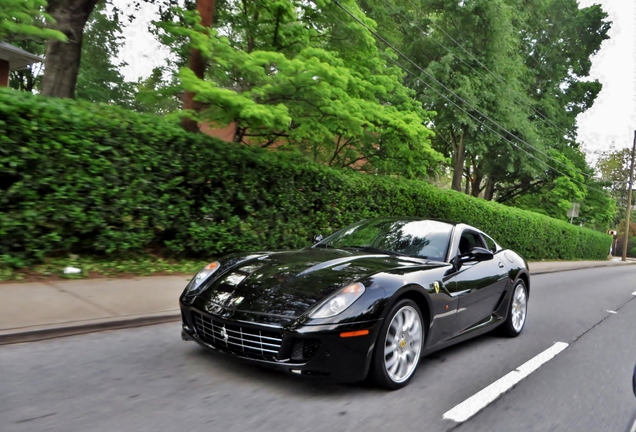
(490, 243)
(468, 241)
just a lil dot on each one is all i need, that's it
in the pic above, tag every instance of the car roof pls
(415, 218)
(456, 225)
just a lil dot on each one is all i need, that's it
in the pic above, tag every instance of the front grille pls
(241, 340)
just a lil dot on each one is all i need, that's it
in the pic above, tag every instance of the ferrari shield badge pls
(436, 286)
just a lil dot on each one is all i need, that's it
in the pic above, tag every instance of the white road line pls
(634, 293)
(633, 429)
(483, 398)
(612, 312)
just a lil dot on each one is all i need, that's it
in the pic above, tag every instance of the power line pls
(374, 33)
(497, 133)
(497, 77)
(442, 85)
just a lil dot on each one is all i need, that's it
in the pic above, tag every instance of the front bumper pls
(309, 350)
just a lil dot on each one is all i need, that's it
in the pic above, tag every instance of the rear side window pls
(490, 243)
(468, 241)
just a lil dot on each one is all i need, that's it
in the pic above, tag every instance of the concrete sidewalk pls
(42, 310)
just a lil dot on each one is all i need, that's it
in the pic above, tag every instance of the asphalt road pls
(147, 379)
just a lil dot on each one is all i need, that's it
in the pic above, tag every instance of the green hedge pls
(92, 179)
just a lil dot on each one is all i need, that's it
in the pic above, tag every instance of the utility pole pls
(629, 200)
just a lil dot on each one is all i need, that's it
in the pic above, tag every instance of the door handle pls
(501, 265)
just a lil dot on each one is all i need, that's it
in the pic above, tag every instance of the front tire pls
(399, 345)
(517, 311)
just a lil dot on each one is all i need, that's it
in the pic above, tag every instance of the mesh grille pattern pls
(241, 340)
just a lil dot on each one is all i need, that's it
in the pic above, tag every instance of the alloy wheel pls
(403, 344)
(519, 307)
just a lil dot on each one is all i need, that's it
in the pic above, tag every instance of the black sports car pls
(370, 299)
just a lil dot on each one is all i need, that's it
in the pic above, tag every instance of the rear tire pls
(399, 346)
(517, 311)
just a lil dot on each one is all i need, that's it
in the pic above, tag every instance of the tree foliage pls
(156, 94)
(304, 76)
(613, 167)
(26, 19)
(499, 82)
(100, 78)
(507, 79)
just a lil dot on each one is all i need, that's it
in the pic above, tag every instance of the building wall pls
(4, 73)
(225, 134)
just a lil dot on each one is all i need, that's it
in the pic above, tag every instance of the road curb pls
(83, 328)
(538, 272)
(33, 335)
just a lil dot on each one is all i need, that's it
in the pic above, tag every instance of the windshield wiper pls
(323, 245)
(372, 249)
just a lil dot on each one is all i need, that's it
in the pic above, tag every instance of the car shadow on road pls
(310, 387)
(441, 355)
(299, 386)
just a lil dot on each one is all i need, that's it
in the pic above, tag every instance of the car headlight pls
(339, 302)
(200, 277)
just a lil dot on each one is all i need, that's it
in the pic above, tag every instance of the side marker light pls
(354, 333)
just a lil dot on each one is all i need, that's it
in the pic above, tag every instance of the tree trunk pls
(468, 180)
(475, 187)
(458, 164)
(62, 59)
(477, 176)
(489, 192)
(197, 64)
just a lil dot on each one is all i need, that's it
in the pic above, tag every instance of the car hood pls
(287, 284)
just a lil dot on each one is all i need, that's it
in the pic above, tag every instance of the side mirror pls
(457, 264)
(317, 238)
(477, 254)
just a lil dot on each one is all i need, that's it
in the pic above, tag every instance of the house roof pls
(17, 58)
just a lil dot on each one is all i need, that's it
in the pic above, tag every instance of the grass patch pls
(95, 267)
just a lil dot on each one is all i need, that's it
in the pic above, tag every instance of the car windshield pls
(421, 239)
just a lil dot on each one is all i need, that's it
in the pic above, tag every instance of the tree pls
(99, 79)
(523, 64)
(557, 42)
(23, 24)
(62, 59)
(612, 166)
(29, 78)
(156, 95)
(305, 76)
(196, 63)
(598, 210)
(620, 238)
(555, 198)
(25, 18)
(567, 179)
(463, 85)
